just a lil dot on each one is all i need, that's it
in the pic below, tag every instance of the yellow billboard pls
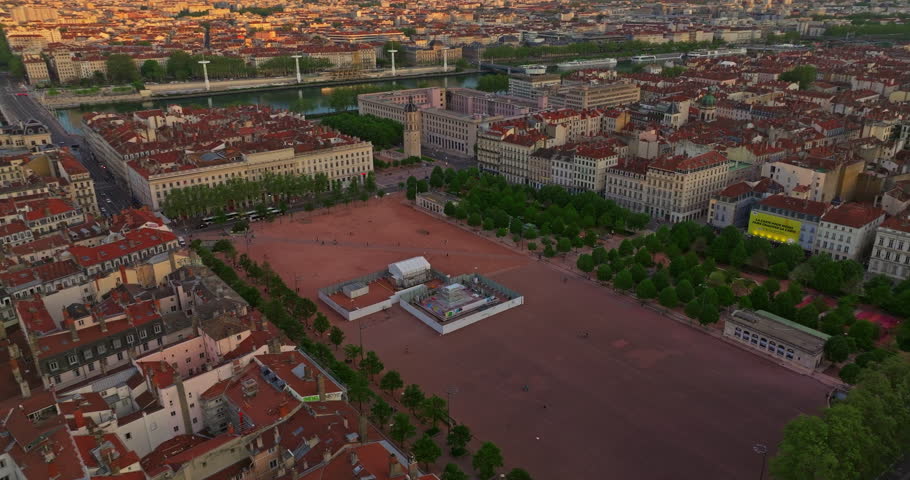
(774, 228)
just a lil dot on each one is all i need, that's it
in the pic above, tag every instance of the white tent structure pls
(410, 272)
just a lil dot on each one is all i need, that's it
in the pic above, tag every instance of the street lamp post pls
(450, 392)
(205, 72)
(297, 65)
(762, 450)
(361, 328)
(445, 59)
(393, 52)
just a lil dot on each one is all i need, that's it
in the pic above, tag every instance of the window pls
(53, 366)
(195, 420)
(117, 344)
(157, 328)
(128, 436)
(119, 355)
(177, 428)
(143, 333)
(87, 354)
(130, 339)
(273, 464)
(101, 349)
(57, 380)
(173, 413)
(72, 359)
(91, 367)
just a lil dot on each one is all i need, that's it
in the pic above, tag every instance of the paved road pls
(111, 197)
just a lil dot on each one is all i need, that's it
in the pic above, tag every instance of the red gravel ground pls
(642, 397)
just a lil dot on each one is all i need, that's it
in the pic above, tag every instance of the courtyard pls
(614, 390)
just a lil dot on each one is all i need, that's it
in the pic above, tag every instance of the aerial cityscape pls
(494, 239)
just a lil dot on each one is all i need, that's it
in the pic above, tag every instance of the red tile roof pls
(854, 215)
(122, 458)
(134, 241)
(784, 202)
(683, 164)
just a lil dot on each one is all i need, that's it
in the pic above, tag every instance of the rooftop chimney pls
(14, 366)
(354, 459)
(326, 455)
(320, 382)
(412, 467)
(79, 418)
(395, 468)
(73, 332)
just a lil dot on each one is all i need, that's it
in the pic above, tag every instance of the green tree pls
(804, 453)
(903, 336)
(434, 409)
(152, 71)
(643, 256)
(426, 451)
(391, 382)
(865, 333)
(371, 364)
(604, 274)
(668, 297)
(486, 460)
(685, 291)
(585, 263)
(807, 316)
(458, 439)
(850, 373)
(493, 83)
(623, 280)
(803, 74)
(452, 472)
(402, 429)
(336, 336)
(518, 474)
(837, 348)
(321, 323)
(646, 289)
(693, 308)
(381, 412)
(358, 390)
(563, 245)
(412, 397)
(121, 69)
(351, 352)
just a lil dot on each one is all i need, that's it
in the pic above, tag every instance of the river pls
(315, 98)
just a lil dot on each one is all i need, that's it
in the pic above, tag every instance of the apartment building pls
(581, 97)
(33, 13)
(450, 118)
(824, 178)
(576, 167)
(625, 184)
(891, 249)
(437, 54)
(781, 218)
(36, 70)
(65, 67)
(733, 205)
(846, 231)
(360, 56)
(531, 86)
(31, 135)
(147, 150)
(679, 189)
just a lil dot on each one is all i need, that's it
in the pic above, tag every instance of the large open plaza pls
(614, 390)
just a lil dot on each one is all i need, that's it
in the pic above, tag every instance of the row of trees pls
(285, 65)
(293, 314)
(272, 190)
(381, 132)
(345, 98)
(530, 213)
(585, 49)
(9, 62)
(493, 83)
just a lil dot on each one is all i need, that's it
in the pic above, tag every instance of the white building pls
(845, 232)
(891, 249)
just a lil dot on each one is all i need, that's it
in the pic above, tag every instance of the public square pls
(639, 396)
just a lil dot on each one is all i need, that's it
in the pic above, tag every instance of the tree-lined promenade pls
(362, 372)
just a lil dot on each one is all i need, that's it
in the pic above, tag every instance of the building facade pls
(846, 232)
(891, 249)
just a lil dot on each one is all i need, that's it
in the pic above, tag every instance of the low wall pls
(471, 319)
(423, 317)
(334, 306)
